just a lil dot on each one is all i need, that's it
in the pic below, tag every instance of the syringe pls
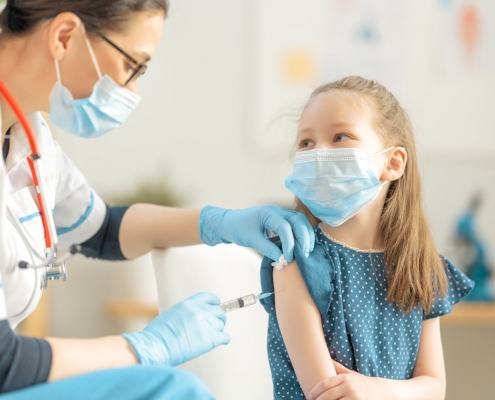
(242, 302)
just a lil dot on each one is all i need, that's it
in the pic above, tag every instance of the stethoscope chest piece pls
(54, 268)
(53, 271)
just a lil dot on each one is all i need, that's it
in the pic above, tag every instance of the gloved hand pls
(185, 331)
(247, 227)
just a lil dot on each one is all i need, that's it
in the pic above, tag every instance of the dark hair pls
(20, 17)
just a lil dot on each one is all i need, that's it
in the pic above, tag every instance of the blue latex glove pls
(183, 332)
(247, 228)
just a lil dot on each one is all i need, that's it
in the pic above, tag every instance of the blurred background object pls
(150, 191)
(217, 123)
(473, 253)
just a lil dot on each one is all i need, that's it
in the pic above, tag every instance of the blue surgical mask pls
(335, 184)
(105, 109)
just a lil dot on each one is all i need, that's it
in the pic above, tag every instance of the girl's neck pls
(361, 231)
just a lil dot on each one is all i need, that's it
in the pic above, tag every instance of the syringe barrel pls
(241, 302)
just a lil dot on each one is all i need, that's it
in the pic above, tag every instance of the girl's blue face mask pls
(105, 109)
(335, 184)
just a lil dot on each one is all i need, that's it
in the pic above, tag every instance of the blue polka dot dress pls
(363, 331)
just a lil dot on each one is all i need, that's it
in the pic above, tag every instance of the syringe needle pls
(265, 295)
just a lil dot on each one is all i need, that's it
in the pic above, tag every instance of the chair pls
(239, 370)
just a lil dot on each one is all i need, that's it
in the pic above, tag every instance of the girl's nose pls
(323, 146)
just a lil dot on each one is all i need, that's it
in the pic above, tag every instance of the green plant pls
(148, 191)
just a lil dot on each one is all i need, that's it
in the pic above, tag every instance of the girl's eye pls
(341, 137)
(305, 143)
(129, 67)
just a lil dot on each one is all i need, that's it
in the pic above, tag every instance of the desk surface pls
(471, 314)
(462, 314)
(130, 308)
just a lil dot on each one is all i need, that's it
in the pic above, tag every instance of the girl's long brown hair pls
(415, 273)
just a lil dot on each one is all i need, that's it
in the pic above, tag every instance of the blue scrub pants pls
(131, 383)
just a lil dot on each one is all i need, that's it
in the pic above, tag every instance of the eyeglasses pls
(140, 68)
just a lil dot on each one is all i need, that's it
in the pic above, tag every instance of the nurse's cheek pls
(133, 87)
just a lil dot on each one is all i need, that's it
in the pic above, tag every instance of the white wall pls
(199, 125)
(195, 122)
(189, 123)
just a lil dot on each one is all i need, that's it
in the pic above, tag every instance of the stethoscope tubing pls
(33, 158)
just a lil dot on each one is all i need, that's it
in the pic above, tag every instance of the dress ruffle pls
(459, 287)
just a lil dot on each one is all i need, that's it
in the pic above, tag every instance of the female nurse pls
(80, 61)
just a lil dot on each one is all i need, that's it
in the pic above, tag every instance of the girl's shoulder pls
(318, 272)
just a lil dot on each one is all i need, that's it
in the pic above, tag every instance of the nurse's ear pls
(396, 164)
(62, 31)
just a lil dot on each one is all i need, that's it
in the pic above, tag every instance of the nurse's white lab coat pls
(78, 213)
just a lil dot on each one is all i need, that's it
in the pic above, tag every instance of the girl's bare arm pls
(427, 383)
(301, 327)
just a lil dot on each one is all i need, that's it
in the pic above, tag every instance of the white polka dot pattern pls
(363, 331)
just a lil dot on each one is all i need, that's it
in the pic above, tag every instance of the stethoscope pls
(54, 268)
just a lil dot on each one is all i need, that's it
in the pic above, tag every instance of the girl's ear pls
(395, 165)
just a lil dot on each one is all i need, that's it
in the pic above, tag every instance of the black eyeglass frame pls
(141, 67)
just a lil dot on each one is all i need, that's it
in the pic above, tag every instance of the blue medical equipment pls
(219, 225)
(107, 108)
(185, 331)
(335, 184)
(477, 268)
(130, 383)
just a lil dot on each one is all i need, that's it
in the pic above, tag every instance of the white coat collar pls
(19, 144)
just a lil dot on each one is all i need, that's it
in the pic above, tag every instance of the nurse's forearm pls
(72, 357)
(147, 226)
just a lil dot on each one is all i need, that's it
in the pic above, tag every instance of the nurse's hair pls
(415, 272)
(21, 17)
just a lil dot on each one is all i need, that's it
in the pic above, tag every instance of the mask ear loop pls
(384, 151)
(57, 70)
(91, 52)
(381, 152)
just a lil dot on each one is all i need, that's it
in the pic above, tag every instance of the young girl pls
(357, 318)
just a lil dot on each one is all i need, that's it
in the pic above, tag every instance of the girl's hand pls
(348, 385)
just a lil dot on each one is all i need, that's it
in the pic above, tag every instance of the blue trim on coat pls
(80, 220)
(31, 216)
